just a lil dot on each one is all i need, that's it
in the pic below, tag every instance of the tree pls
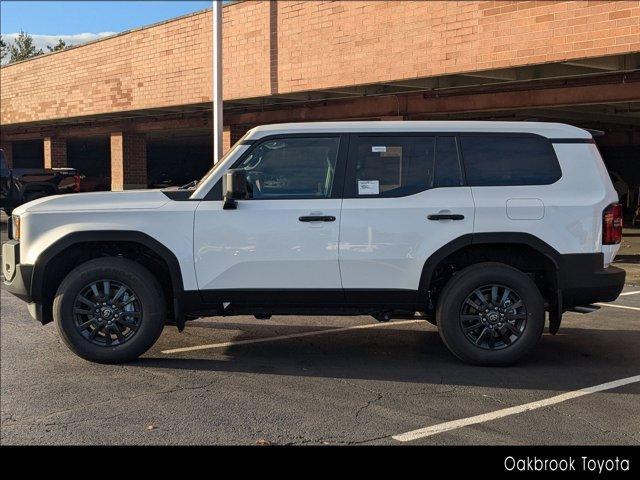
(3, 49)
(23, 48)
(61, 45)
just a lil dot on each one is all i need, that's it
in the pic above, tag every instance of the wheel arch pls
(477, 245)
(38, 279)
(477, 239)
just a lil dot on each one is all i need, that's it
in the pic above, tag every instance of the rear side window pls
(393, 166)
(501, 160)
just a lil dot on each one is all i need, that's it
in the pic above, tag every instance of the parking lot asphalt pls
(352, 386)
(320, 380)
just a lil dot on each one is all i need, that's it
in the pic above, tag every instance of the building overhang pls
(603, 90)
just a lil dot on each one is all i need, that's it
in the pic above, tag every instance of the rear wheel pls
(109, 310)
(490, 314)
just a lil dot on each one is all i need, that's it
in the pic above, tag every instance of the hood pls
(95, 201)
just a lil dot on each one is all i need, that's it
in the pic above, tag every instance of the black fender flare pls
(130, 236)
(483, 239)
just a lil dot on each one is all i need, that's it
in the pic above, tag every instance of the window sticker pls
(378, 149)
(368, 187)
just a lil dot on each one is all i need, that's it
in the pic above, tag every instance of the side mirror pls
(234, 187)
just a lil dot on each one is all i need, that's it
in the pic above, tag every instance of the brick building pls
(134, 109)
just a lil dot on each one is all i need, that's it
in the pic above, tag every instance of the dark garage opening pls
(623, 164)
(177, 158)
(28, 154)
(91, 156)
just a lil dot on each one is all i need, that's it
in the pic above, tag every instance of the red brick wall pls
(325, 44)
(294, 46)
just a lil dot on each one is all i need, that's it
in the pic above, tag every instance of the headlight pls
(15, 227)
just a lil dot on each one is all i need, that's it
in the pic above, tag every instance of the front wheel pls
(490, 314)
(109, 310)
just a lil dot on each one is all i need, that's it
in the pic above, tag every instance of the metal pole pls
(217, 80)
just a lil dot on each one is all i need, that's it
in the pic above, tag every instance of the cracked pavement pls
(350, 387)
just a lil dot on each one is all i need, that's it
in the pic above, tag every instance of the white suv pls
(478, 227)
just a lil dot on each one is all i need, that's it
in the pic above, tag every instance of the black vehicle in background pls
(21, 185)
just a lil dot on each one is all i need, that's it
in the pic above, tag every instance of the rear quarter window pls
(505, 160)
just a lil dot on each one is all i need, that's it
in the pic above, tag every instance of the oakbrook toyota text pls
(569, 464)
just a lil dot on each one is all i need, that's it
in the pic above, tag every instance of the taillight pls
(612, 224)
(76, 187)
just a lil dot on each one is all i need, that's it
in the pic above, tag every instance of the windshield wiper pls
(189, 185)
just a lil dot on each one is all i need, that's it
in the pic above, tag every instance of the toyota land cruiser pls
(478, 227)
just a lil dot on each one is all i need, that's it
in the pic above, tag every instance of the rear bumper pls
(584, 280)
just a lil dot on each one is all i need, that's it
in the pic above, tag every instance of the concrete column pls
(128, 161)
(232, 134)
(226, 139)
(7, 148)
(55, 152)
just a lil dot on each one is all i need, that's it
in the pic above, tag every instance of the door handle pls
(446, 216)
(317, 218)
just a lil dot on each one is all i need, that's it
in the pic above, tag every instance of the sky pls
(80, 21)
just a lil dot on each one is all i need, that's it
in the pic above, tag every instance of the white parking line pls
(284, 337)
(465, 422)
(617, 306)
(629, 293)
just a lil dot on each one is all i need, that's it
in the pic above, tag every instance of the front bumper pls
(17, 277)
(20, 284)
(584, 280)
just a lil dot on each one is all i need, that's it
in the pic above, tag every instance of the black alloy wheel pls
(107, 312)
(493, 317)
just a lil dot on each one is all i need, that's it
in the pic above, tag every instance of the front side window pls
(393, 166)
(504, 160)
(302, 167)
